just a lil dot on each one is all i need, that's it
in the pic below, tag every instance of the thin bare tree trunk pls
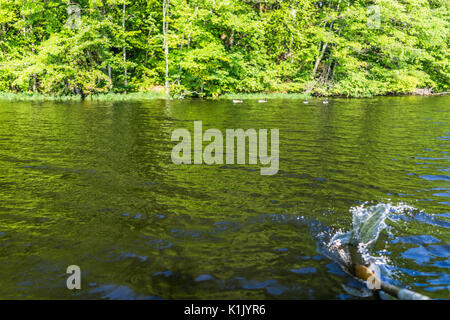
(125, 70)
(110, 77)
(319, 58)
(324, 47)
(166, 4)
(34, 74)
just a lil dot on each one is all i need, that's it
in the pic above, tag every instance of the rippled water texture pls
(92, 184)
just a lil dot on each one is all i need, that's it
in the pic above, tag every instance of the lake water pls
(93, 185)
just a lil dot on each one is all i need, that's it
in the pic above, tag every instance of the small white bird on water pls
(325, 101)
(305, 101)
(237, 101)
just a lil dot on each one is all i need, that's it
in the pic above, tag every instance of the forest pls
(208, 48)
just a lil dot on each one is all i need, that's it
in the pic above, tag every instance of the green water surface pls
(93, 184)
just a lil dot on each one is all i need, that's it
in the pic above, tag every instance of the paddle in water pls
(352, 250)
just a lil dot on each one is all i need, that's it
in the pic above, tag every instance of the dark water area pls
(93, 185)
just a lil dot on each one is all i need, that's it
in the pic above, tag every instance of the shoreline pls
(150, 96)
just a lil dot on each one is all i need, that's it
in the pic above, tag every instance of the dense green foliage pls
(224, 46)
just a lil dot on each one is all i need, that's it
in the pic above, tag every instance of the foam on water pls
(368, 222)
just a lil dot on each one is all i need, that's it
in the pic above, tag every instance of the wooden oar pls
(363, 273)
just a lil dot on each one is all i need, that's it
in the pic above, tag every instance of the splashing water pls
(352, 248)
(355, 246)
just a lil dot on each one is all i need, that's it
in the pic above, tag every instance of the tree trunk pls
(319, 58)
(34, 74)
(125, 70)
(324, 48)
(110, 77)
(166, 4)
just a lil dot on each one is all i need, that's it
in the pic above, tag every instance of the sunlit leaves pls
(220, 46)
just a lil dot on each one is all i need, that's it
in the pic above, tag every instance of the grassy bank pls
(10, 96)
(302, 96)
(37, 97)
(148, 96)
(139, 96)
(258, 96)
